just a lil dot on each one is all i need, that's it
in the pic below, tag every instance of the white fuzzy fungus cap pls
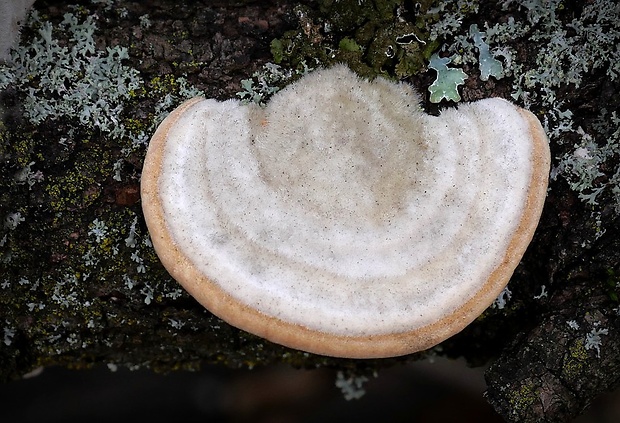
(340, 219)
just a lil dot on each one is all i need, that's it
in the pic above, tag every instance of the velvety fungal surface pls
(341, 219)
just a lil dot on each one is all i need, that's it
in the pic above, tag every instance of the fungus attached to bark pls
(340, 219)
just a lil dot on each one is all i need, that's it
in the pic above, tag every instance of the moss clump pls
(522, 398)
(401, 46)
(380, 37)
(164, 83)
(15, 147)
(575, 360)
(79, 187)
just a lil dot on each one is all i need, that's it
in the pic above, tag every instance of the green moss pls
(575, 360)
(345, 15)
(277, 50)
(16, 146)
(401, 46)
(367, 36)
(522, 399)
(180, 35)
(348, 44)
(134, 125)
(294, 47)
(79, 187)
(164, 83)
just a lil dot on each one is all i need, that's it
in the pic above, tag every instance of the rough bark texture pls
(80, 284)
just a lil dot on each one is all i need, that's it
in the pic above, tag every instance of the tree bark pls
(81, 285)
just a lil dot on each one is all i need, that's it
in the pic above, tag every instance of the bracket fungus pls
(341, 219)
